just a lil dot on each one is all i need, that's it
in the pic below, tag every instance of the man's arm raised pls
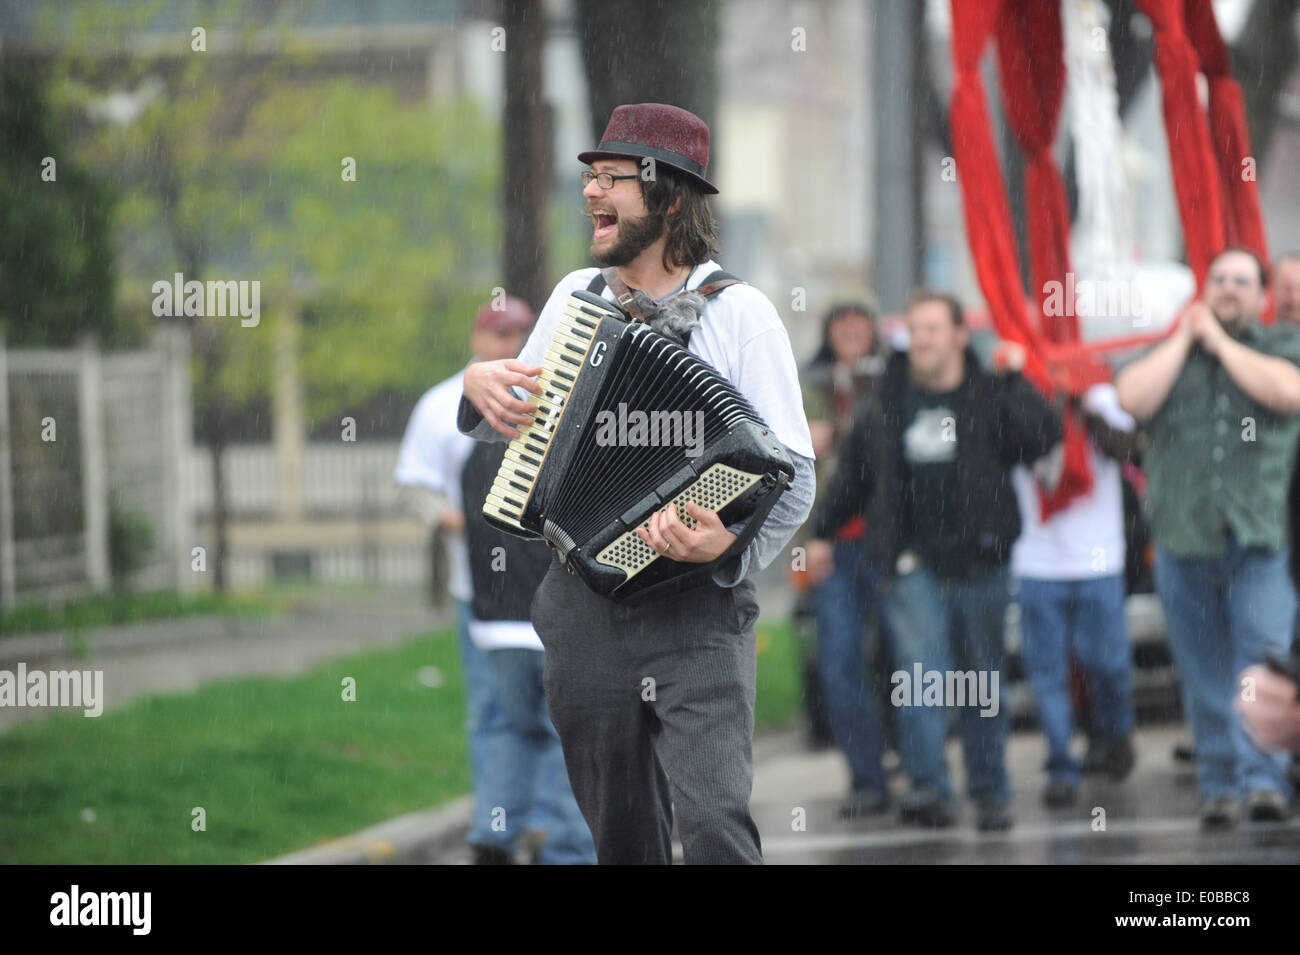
(487, 389)
(1144, 385)
(1272, 382)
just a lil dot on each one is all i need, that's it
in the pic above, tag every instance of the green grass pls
(277, 764)
(106, 609)
(780, 686)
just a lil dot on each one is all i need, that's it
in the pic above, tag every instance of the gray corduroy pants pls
(654, 705)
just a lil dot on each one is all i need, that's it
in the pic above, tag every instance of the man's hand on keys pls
(487, 388)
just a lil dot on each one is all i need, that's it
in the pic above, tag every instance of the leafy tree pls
(56, 262)
(396, 262)
(231, 167)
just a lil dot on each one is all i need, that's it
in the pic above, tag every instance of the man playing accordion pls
(654, 700)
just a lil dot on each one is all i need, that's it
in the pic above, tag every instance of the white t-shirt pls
(504, 635)
(1086, 540)
(433, 454)
(740, 334)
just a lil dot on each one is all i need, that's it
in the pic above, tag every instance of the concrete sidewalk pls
(437, 836)
(182, 653)
(1150, 818)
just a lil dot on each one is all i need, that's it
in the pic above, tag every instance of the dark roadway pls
(1150, 818)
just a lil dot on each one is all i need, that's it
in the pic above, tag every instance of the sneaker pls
(1111, 757)
(1220, 812)
(926, 808)
(1267, 805)
(992, 816)
(531, 842)
(491, 855)
(1060, 793)
(864, 802)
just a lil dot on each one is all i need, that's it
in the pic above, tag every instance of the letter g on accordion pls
(587, 471)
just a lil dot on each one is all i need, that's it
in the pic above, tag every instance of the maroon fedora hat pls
(667, 134)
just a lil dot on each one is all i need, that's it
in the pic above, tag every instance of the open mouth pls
(605, 224)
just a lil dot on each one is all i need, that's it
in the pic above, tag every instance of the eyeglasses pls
(1240, 281)
(605, 180)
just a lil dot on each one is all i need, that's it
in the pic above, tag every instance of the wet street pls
(1150, 818)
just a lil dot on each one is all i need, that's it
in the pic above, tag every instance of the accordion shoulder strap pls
(622, 294)
(716, 282)
(713, 283)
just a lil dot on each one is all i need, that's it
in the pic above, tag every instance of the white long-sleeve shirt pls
(741, 335)
(432, 455)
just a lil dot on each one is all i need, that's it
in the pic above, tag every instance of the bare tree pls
(638, 52)
(525, 166)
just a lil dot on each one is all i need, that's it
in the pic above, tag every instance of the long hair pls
(825, 353)
(692, 230)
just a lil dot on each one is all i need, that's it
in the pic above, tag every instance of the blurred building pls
(828, 151)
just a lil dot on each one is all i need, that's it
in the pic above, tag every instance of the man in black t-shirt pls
(928, 453)
(928, 462)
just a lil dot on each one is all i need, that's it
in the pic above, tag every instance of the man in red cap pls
(429, 468)
(635, 755)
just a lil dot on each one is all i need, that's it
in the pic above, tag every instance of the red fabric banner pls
(1230, 141)
(984, 199)
(1196, 172)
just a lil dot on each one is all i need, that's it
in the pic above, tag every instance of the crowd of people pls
(949, 464)
(596, 725)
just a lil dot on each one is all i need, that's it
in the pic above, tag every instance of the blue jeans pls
(1088, 617)
(842, 603)
(537, 794)
(935, 621)
(490, 743)
(1222, 615)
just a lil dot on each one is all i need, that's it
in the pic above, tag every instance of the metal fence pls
(93, 445)
(349, 526)
(338, 478)
(90, 442)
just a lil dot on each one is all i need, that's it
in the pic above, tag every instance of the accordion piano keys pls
(563, 359)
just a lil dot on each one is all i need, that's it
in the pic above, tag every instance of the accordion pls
(629, 423)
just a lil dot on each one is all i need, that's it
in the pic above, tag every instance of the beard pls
(634, 237)
(1231, 315)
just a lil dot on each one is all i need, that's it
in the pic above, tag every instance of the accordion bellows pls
(630, 423)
